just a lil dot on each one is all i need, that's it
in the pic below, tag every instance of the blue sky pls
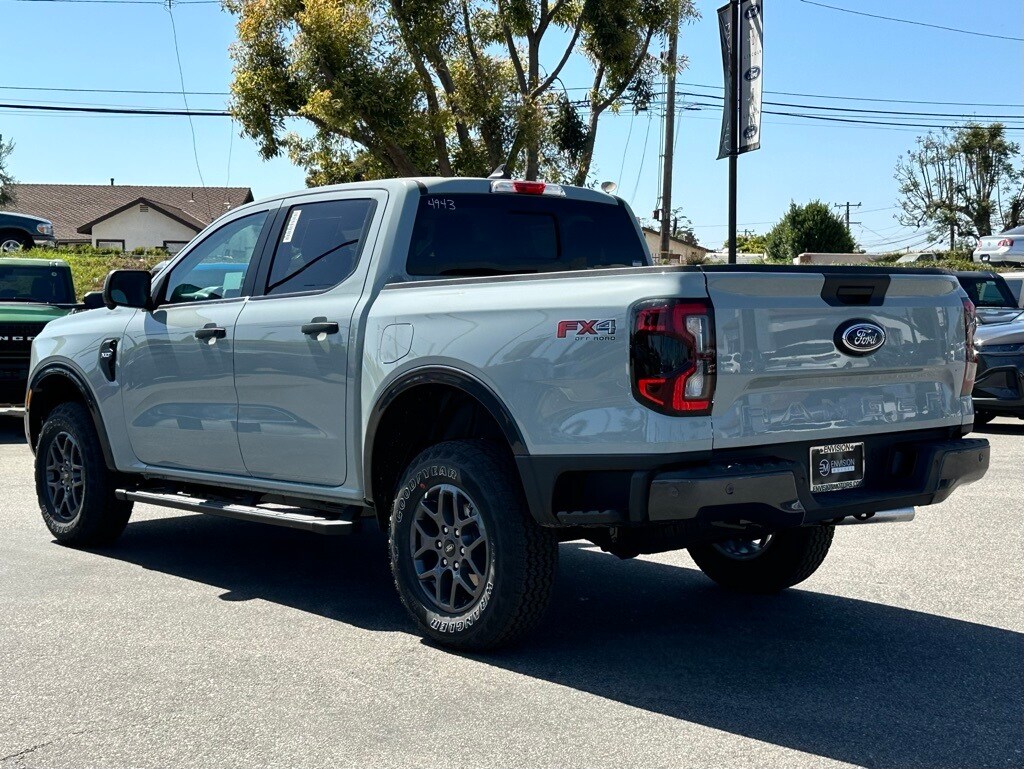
(808, 49)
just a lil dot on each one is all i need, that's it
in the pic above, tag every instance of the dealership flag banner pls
(751, 36)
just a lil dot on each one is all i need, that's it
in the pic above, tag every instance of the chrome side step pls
(290, 517)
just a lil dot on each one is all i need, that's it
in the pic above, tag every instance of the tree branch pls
(513, 54)
(632, 73)
(551, 78)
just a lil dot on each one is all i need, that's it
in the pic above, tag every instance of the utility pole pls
(952, 236)
(847, 205)
(732, 104)
(670, 132)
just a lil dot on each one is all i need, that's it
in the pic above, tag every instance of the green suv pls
(32, 293)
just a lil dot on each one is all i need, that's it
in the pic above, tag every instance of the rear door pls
(293, 339)
(785, 373)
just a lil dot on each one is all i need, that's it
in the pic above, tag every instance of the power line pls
(910, 21)
(860, 110)
(124, 2)
(184, 98)
(118, 110)
(112, 90)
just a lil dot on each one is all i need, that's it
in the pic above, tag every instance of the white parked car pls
(1004, 248)
(917, 257)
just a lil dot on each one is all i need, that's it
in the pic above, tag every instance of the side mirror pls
(128, 288)
(93, 300)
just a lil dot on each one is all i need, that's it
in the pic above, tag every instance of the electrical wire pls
(184, 98)
(915, 23)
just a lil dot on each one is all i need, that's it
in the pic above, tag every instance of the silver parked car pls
(1004, 248)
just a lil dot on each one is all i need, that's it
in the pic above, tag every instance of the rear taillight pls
(1005, 243)
(672, 356)
(971, 369)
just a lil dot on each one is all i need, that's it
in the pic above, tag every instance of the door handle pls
(211, 332)
(317, 327)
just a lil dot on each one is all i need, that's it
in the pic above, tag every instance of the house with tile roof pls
(127, 216)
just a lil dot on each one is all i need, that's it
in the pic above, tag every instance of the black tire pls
(789, 557)
(983, 418)
(511, 575)
(77, 498)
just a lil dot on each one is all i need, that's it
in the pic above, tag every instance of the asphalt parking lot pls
(197, 641)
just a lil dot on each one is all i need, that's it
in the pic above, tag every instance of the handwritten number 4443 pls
(443, 204)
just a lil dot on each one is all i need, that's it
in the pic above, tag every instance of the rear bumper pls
(777, 494)
(756, 486)
(999, 387)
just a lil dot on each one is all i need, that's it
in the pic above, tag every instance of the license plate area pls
(836, 466)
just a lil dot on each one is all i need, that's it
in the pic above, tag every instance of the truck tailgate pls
(781, 370)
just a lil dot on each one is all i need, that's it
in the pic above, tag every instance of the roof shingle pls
(70, 206)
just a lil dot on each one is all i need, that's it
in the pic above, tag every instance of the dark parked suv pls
(20, 232)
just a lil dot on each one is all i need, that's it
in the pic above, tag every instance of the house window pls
(174, 246)
(117, 245)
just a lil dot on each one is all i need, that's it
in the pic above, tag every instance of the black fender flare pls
(451, 377)
(69, 374)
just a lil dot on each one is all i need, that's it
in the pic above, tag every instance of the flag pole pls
(732, 106)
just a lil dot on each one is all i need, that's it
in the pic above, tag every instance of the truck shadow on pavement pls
(841, 678)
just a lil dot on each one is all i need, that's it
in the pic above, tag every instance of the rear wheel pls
(470, 564)
(766, 565)
(74, 485)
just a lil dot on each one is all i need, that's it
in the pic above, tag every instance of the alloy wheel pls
(450, 549)
(65, 477)
(743, 549)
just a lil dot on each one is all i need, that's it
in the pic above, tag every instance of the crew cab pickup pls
(490, 367)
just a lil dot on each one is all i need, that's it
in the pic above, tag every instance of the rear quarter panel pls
(568, 394)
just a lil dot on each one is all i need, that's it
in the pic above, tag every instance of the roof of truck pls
(16, 262)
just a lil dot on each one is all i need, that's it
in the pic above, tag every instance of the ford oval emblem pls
(859, 337)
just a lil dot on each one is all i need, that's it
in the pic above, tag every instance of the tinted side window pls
(495, 234)
(319, 245)
(216, 267)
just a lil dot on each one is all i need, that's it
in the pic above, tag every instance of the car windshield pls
(43, 284)
(988, 292)
(1014, 231)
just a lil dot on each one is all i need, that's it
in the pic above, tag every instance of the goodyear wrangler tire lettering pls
(470, 564)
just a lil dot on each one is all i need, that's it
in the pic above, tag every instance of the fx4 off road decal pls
(596, 330)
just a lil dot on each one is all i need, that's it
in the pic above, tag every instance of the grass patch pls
(89, 268)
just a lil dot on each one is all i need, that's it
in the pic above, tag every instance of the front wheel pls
(766, 565)
(15, 243)
(470, 564)
(74, 485)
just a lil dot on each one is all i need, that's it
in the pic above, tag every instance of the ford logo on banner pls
(859, 337)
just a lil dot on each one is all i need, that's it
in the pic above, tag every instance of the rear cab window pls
(468, 234)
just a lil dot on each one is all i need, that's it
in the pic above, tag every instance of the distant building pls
(679, 250)
(127, 216)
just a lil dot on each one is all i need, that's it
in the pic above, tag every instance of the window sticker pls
(290, 229)
(233, 280)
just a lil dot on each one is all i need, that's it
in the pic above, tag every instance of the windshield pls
(496, 234)
(988, 292)
(43, 284)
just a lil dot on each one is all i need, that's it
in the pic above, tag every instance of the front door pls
(294, 337)
(177, 361)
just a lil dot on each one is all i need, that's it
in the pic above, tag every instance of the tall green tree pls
(968, 179)
(812, 228)
(445, 87)
(6, 180)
